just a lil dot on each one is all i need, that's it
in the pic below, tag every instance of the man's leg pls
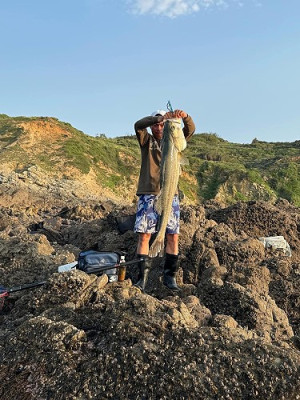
(171, 262)
(172, 243)
(143, 243)
(146, 220)
(145, 263)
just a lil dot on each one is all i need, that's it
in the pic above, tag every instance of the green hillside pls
(274, 168)
(57, 146)
(218, 169)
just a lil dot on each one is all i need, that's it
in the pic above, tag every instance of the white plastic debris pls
(67, 267)
(277, 243)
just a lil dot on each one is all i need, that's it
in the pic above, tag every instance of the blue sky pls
(101, 65)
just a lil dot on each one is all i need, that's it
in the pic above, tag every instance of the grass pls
(215, 161)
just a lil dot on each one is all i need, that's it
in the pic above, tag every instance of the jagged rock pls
(96, 350)
(255, 278)
(227, 334)
(210, 259)
(220, 320)
(249, 309)
(220, 233)
(259, 219)
(201, 314)
(249, 250)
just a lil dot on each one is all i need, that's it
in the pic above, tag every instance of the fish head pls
(173, 131)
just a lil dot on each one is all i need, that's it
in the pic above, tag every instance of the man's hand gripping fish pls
(173, 143)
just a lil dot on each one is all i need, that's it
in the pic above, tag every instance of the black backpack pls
(98, 262)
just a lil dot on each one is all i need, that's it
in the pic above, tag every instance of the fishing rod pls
(5, 292)
(21, 287)
(169, 106)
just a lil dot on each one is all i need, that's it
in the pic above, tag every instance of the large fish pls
(173, 143)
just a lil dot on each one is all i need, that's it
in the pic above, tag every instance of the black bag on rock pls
(125, 222)
(98, 263)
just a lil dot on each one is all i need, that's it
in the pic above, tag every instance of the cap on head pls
(158, 112)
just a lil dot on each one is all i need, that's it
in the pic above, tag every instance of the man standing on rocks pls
(148, 189)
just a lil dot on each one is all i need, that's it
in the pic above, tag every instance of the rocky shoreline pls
(231, 333)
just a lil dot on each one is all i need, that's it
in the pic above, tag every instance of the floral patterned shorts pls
(147, 218)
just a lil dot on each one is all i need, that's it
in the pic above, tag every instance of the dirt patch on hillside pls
(40, 132)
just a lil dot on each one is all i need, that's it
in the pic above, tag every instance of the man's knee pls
(172, 238)
(144, 237)
(172, 243)
(143, 243)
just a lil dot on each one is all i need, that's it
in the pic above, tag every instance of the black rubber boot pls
(170, 270)
(144, 268)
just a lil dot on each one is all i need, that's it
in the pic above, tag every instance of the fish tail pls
(157, 247)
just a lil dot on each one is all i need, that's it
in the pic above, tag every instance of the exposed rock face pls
(231, 333)
(40, 191)
(228, 191)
